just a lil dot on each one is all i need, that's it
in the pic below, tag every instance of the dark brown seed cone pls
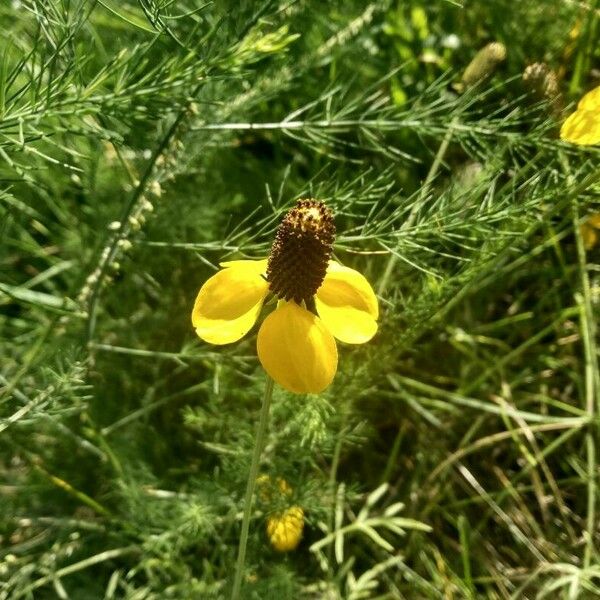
(301, 251)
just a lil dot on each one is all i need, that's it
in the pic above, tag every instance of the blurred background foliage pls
(142, 142)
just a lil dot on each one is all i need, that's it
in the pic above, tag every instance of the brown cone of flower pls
(301, 251)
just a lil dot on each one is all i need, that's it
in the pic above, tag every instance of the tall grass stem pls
(258, 447)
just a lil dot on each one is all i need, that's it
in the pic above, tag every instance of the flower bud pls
(484, 63)
(285, 529)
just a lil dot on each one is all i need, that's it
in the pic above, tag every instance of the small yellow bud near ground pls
(267, 488)
(284, 486)
(285, 529)
(594, 220)
(589, 231)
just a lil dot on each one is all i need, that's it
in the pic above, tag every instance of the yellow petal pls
(589, 236)
(297, 350)
(229, 303)
(259, 266)
(591, 101)
(582, 127)
(347, 305)
(594, 220)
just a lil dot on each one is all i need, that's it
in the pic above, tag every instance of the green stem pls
(332, 483)
(591, 372)
(585, 49)
(258, 447)
(437, 161)
(592, 386)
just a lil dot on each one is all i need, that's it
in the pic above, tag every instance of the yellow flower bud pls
(285, 529)
(266, 488)
(589, 230)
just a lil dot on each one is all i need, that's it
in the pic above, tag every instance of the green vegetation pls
(144, 141)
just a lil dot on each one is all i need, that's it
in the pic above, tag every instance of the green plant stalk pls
(588, 336)
(465, 543)
(585, 49)
(591, 372)
(76, 567)
(332, 481)
(437, 161)
(258, 447)
(111, 248)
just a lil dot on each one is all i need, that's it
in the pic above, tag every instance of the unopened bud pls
(285, 529)
(484, 63)
(155, 188)
(134, 223)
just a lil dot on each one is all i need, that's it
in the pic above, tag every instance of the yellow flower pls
(583, 126)
(589, 231)
(267, 487)
(285, 529)
(318, 300)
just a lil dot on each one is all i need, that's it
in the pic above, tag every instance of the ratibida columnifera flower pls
(318, 301)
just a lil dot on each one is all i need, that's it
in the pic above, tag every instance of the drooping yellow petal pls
(297, 350)
(591, 101)
(589, 235)
(582, 127)
(594, 220)
(347, 304)
(229, 303)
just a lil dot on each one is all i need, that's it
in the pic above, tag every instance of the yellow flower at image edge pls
(285, 529)
(295, 346)
(589, 230)
(583, 126)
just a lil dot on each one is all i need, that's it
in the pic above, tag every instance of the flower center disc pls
(301, 251)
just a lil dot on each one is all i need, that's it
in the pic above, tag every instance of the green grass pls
(144, 141)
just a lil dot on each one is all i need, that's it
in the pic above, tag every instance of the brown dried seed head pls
(541, 80)
(301, 251)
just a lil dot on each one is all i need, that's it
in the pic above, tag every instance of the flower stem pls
(258, 447)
